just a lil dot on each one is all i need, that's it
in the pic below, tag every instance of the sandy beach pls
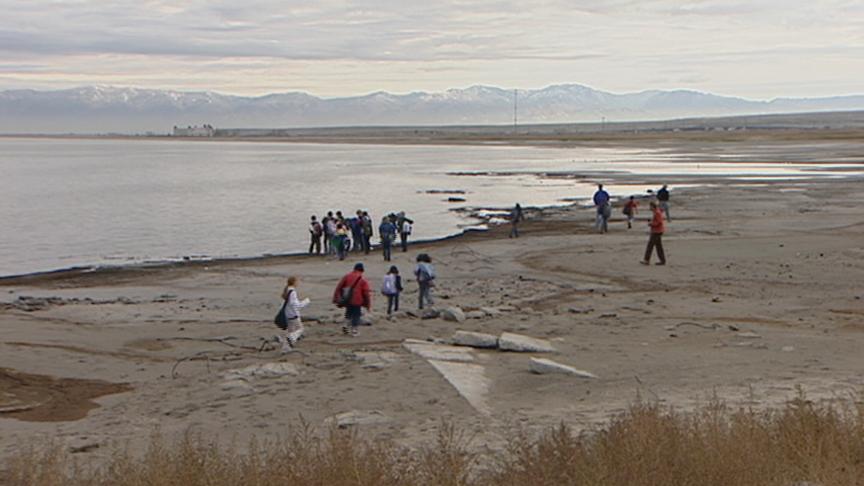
(762, 297)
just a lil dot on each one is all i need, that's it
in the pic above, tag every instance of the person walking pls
(516, 217)
(601, 202)
(391, 287)
(663, 199)
(630, 210)
(406, 226)
(353, 294)
(316, 231)
(656, 238)
(425, 274)
(387, 233)
(291, 309)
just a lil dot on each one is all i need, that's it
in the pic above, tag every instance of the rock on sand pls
(453, 314)
(543, 366)
(475, 339)
(523, 344)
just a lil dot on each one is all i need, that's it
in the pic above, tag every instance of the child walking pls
(291, 308)
(392, 287)
(630, 210)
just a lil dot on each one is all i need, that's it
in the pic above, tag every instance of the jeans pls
(404, 239)
(425, 293)
(392, 303)
(387, 245)
(514, 230)
(352, 315)
(664, 205)
(315, 244)
(367, 243)
(656, 240)
(603, 218)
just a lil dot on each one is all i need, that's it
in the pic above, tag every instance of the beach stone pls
(376, 359)
(428, 350)
(523, 344)
(477, 314)
(475, 339)
(357, 417)
(267, 370)
(542, 366)
(748, 335)
(430, 314)
(491, 311)
(453, 314)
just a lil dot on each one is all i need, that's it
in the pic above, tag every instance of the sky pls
(757, 49)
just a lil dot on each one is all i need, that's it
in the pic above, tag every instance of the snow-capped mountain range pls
(101, 109)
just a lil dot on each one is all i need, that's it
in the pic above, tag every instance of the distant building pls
(196, 131)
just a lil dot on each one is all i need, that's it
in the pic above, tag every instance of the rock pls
(748, 335)
(576, 310)
(267, 370)
(357, 417)
(429, 350)
(788, 349)
(491, 311)
(453, 314)
(455, 199)
(524, 344)
(477, 314)
(475, 339)
(430, 314)
(543, 366)
(375, 359)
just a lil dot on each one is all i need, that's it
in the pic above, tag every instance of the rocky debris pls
(357, 417)
(428, 350)
(455, 199)
(491, 311)
(542, 366)
(430, 314)
(577, 310)
(475, 339)
(267, 370)
(375, 360)
(453, 314)
(748, 335)
(28, 303)
(475, 314)
(523, 344)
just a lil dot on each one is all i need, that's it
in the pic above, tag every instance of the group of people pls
(659, 206)
(352, 293)
(337, 235)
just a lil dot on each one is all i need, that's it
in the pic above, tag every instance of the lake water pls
(70, 203)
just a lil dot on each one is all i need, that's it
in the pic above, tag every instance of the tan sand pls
(762, 295)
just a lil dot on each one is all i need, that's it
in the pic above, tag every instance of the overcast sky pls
(757, 49)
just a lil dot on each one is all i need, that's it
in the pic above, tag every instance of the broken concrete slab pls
(375, 359)
(469, 380)
(523, 344)
(542, 366)
(475, 339)
(428, 350)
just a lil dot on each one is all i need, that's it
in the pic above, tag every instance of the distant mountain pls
(100, 109)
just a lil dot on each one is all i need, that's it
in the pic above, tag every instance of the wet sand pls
(762, 297)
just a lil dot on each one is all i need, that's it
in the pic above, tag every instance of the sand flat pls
(784, 265)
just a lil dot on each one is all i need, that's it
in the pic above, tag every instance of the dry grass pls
(802, 443)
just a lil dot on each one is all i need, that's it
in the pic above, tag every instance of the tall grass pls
(648, 445)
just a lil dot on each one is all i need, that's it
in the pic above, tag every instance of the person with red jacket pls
(656, 239)
(353, 293)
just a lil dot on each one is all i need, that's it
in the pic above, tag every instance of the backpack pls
(317, 229)
(388, 286)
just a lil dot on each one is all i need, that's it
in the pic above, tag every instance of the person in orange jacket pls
(353, 293)
(656, 239)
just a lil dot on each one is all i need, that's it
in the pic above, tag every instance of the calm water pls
(66, 203)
